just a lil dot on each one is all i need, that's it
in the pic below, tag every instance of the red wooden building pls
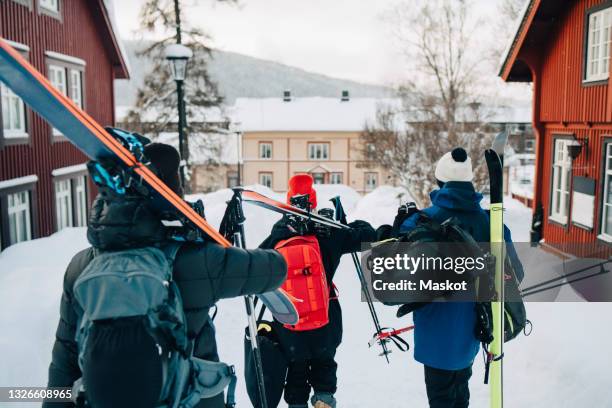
(563, 48)
(43, 180)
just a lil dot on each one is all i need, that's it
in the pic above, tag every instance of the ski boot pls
(323, 400)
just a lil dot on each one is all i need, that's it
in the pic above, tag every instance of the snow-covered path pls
(564, 363)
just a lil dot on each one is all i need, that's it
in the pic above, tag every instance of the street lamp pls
(178, 55)
(236, 127)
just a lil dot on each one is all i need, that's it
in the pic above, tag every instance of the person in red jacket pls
(311, 353)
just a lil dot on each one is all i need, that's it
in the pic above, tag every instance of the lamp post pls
(178, 55)
(236, 127)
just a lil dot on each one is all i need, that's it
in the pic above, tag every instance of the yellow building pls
(285, 136)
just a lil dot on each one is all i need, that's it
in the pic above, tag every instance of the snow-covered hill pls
(242, 76)
(564, 363)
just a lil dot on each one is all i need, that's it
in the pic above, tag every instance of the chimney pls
(287, 96)
(345, 96)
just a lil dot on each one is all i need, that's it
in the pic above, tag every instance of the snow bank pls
(380, 206)
(31, 277)
(564, 363)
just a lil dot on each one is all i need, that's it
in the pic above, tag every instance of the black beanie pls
(166, 162)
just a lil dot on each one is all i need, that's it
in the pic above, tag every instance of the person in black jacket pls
(311, 354)
(204, 273)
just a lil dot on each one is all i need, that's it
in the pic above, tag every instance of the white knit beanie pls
(454, 166)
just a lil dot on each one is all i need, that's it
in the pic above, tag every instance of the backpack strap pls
(170, 249)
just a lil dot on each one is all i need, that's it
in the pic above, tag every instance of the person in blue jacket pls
(444, 340)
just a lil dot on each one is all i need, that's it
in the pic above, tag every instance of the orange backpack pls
(306, 281)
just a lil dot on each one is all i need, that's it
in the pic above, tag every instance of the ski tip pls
(499, 143)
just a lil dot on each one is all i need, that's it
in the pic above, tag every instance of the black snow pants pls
(448, 389)
(316, 373)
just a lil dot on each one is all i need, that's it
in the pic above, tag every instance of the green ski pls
(494, 159)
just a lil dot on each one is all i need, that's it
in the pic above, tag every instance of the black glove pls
(403, 212)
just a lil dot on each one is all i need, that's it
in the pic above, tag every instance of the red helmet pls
(301, 184)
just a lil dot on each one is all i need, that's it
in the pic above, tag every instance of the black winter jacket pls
(321, 342)
(204, 274)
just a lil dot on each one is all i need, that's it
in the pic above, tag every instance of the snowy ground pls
(564, 363)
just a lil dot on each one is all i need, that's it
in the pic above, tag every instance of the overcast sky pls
(340, 38)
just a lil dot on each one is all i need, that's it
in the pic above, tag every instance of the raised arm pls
(210, 272)
(361, 231)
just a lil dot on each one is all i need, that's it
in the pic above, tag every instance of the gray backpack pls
(133, 348)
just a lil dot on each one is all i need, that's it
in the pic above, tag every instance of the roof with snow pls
(307, 114)
(533, 26)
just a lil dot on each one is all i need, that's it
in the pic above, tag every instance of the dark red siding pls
(566, 106)
(77, 35)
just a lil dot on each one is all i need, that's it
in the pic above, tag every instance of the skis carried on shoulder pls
(122, 149)
(258, 199)
(255, 198)
(495, 165)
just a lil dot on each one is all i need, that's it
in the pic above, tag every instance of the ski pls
(494, 159)
(121, 148)
(253, 197)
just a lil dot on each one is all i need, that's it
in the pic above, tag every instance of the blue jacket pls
(444, 331)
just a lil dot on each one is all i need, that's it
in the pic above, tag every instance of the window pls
(80, 201)
(318, 178)
(57, 77)
(370, 150)
(335, 178)
(530, 145)
(265, 150)
(19, 213)
(318, 151)
(232, 179)
(63, 204)
(606, 215)
(265, 179)
(371, 181)
(76, 88)
(598, 45)
(13, 114)
(562, 171)
(49, 5)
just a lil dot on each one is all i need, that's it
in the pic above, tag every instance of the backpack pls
(429, 239)
(133, 347)
(306, 281)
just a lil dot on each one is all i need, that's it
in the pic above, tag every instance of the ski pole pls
(238, 220)
(341, 216)
(531, 290)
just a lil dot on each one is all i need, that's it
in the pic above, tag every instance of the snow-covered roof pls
(202, 115)
(518, 28)
(306, 114)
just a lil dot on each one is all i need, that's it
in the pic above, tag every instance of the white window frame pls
(318, 151)
(265, 150)
(369, 176)
(54, 71)
(19, 208)
(13, 114)
(266, 179)
(561, 181)
(76, 87)
(599, 37)
(80, 201)
(49, 5)
(335, 178)
(606, 206)
(63, 204)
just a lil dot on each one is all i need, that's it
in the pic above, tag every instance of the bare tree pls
(440, 104)
(509, 11)
(155, 110)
